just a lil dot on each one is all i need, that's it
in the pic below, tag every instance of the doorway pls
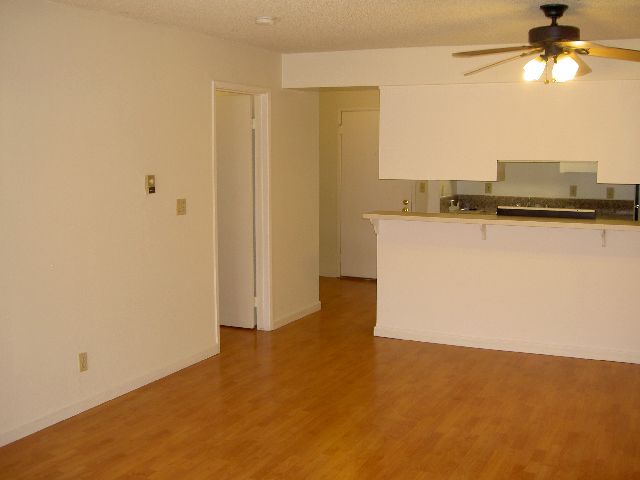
(240, 166)
(360, 191)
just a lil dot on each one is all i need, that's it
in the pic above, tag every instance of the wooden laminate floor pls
(323, 399)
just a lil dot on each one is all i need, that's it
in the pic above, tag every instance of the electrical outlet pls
(573, 190)
(181, 206)
(488, 188)
(611, 193)
(423, 187)
(83, 362)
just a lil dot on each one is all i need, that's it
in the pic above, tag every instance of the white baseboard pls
(95, 400)
(577, 351)
(297, 315)
(330, 275)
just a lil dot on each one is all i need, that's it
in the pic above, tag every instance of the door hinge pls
(253, 124)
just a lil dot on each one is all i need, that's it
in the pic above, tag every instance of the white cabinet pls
(460, 131)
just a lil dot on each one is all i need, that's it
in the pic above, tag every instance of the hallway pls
(323, 399)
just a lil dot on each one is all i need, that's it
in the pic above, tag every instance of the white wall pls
(332, 102)
(460, 135)
(294, 202)
(427, 65)
(90, 103)
(545, 180)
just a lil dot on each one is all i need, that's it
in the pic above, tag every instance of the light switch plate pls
(181, 206)
(150, 183)
(573, 190)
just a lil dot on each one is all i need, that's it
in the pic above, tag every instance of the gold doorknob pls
(405, 202)
(405, 210)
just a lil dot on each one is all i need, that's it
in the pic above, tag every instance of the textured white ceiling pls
(326, 25)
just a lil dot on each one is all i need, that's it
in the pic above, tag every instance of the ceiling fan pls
(558, 48)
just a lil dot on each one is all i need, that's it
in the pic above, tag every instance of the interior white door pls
(361, 191)
(235, 210)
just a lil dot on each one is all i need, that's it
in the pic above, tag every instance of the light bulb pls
(533, 69)
(565, 68)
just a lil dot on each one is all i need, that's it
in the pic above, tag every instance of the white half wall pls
(529, 289)
(89, 104)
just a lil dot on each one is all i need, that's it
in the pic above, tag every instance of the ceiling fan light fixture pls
(564, 68)
(558, 42)
(533, 69)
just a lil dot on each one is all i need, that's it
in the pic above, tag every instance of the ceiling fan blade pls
(597, 50)
(506, 60)
(583, 68)
(489, 51)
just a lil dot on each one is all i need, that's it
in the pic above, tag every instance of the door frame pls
(262, 182)
(339, 179)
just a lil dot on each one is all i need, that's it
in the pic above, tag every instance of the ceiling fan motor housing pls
(553, 32)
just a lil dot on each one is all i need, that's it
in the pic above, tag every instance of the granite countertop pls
(609, 216)
(606, 209)
(493, 219)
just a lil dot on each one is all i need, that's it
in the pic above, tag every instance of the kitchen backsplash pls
(619, 209)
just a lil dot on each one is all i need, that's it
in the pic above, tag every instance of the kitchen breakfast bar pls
(540, 285)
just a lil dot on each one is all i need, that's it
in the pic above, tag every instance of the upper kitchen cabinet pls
(461, 131)
(438, 131)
